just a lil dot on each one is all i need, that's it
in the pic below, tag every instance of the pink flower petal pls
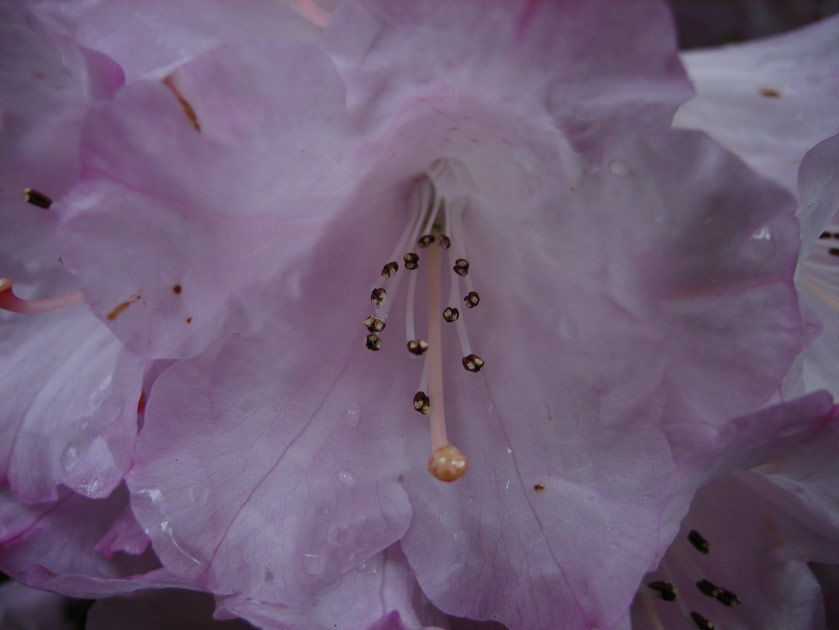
(770, 100)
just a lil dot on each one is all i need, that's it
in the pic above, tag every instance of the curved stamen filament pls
(312, 12)
(10, 302)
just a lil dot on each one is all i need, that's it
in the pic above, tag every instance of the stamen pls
(698, 541)
(461, 266)
(373, 342)
(374, 324)
(472, 299)
(451, 314)
(444, 241)
(473, 363)
(378, 296)
(411, 261)
(447, 463)
(665, 590)
(701, 622)
(425, 240)
(729, 599)
(10, 302)
(390, 269)
(417, 346)
(422, 403)
(37, 198)
(709, 588)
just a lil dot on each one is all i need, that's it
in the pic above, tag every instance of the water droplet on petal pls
(70, 458)
(619, 168)
(347, 477)
(314, 563)
(352, 415)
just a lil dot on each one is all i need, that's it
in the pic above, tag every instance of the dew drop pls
(352, 415)
(347, 477)
(199, 494)
(367, 568)
(509, 451)
(70, 458)
(619, 168)
(314, 563)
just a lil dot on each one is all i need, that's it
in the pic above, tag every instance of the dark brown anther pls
(411, 260)
(451, 314)
(698, 541)
(472, 299)
(825, 235)
(833, 251)
(417, 346)
(665, 590)
(373, 342)
(390, 269)
(701, 622)
(425, 240)
(421, 403)
(461, 266)
(377, 296)
(36, 198)
(374, 324)
(728, 598)
(709, 588)
(444, 241)
(473, 363)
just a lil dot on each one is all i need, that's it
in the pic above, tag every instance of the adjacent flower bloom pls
(587, 297)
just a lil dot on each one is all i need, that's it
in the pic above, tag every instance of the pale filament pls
(652, 613)
(10, 302)
(454, 286)
(437, 415)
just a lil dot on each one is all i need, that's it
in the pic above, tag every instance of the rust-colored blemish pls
(141, 404)
(119, 310)
(177, 289)
(185, 105)
(538, 487)
(188, 320)
(768, 92)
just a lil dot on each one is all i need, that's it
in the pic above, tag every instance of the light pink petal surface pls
(769, 100)
(183, 207)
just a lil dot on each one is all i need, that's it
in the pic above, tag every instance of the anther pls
(833, 251)
(374, 324)
(448, 463)
(444, 241)
(425, 240)
(36, 198)
(377, 296)
(422, 403)
(701, 622)
(709, 588)
(825, 235)
(473, 363)
(417, 346)
(665, 590)
(373, 343)
(411, 260)
(451, 314)
(461, 266)
(698, 541)
(390, 269)
(728, 598)
(472, 299)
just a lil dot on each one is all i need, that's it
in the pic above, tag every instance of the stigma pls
(432, 243)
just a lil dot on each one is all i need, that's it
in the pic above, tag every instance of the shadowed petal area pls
(167, 609)
(503, 49)
(59, 547)
(380, 594)
(256, 475)
(769, 100)
(23, 608)
(197, 187)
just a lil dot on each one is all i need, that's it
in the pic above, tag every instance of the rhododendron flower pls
(588, 298)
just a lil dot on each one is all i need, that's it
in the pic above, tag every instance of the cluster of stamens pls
(428, 232)
(666, 591)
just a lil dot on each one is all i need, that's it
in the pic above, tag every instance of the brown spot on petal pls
(538, 487)
(141, 404)
(119, 310)
(768, 92)
(188, 320)
(177, 289)
(185, 105)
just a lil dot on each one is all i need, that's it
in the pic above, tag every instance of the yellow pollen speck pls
(448, 463)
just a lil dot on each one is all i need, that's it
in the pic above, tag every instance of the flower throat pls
(434, 232)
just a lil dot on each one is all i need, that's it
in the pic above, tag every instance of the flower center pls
(433, 232)
(688, 600)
